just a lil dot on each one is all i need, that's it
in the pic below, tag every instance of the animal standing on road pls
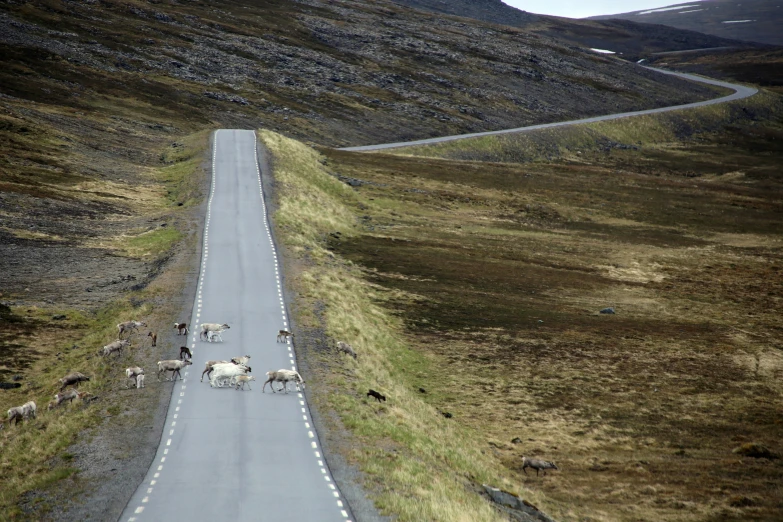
(226, 374)
(128, 326)
(241, 380)
(182, 328)
(212, 327)
(537, 464)
(283, 376)
(185, 353)
(210, 365)
(173, 366)
(283, 335)
(115, 346)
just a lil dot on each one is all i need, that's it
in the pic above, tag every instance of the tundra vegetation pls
(106, 112)
(477, 269)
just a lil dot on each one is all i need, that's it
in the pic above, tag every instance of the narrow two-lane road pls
(740, 92)
(229, 455)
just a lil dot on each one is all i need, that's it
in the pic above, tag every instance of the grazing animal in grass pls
(173, 366)
(114, 347)
(185, 353)
(20, 413)
(283, 335)
(380, 397)
(283, 376)
(346, 348)
(128, 326)
(182, 328)
(154, 338)
(72, 378)
(140, 381)
(69, 396)
(133, 372)
(537, 464)
(241, 380)
(212, 327)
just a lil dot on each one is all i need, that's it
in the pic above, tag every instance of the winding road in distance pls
(226, 455)
(741, 92)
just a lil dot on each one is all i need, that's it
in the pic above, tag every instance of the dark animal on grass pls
(346, 348)
(128, 326)
(154, 338)
(182, 328)
(537, 464)
(72, 378)
(378, 396)
(185, 353)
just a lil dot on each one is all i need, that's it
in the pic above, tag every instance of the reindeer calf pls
(182, 328)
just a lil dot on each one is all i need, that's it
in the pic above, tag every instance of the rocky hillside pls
(628, 38)
(750, 20)
(393, 73)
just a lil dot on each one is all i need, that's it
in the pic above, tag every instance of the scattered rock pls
(525, 511)
(422, 390)
(740, 501)
(516, 440)
(9, 385)
(59, 317)
(446, 414)
(609, 310)
(755, 450)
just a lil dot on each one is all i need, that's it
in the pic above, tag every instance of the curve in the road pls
(740, 92)
(227, 454)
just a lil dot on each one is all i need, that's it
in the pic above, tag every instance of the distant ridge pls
(759, 21)
(628, 38)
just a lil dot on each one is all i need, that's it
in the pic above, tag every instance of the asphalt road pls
(237, 455)
(740, 92)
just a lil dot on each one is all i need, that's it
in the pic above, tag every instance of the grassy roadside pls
(46, 340)
(418, 464)
(481, 282)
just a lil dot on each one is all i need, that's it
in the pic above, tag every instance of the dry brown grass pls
(510, 265)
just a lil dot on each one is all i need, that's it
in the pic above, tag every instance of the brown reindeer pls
(154, 338)
(181, 328)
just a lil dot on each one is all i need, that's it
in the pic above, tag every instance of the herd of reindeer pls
(234, 372)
